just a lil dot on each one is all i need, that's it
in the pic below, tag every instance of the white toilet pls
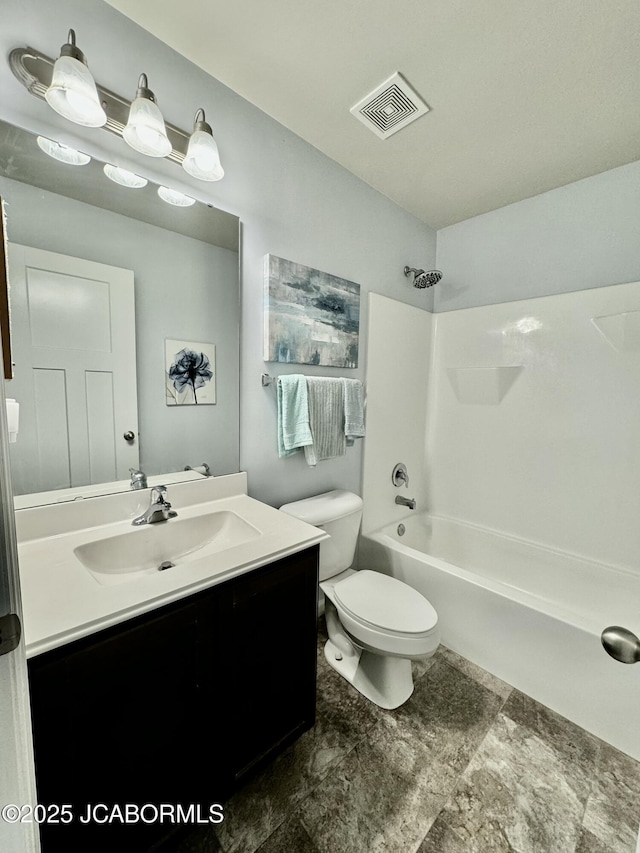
(376, 623)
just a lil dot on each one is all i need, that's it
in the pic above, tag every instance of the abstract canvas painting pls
(190, 373)
(310, 317)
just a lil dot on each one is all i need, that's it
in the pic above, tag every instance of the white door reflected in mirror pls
(75, 376)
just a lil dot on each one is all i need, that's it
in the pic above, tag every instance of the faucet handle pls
(138, 479)
(159, 494)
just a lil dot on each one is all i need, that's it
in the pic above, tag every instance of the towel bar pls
(267, 379)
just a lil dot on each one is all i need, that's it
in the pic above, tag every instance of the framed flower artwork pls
(190, 373)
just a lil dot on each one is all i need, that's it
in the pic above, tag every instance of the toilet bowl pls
(376, 624)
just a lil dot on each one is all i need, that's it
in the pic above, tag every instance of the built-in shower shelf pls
(482, 385)
(621, 331)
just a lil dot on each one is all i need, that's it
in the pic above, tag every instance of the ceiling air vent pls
(390, 107)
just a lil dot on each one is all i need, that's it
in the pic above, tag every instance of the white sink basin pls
(84, 568)
(146, 548)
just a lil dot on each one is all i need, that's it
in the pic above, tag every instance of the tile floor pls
(467, 765)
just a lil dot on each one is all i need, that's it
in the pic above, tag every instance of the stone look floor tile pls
(419, 667)
(526, 787)
(386, 793)
(579, 748)
(443, 839)
(613, 808)
(449, 713)
(346, 708)
(382, 797)
(291, 837)
(491, 682)
(588, 843)
(201, 840)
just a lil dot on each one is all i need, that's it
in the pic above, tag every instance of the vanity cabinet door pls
(121, 719)
(270, 655)
(177, 705)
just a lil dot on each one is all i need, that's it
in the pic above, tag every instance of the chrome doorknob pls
(621, 644)
(129, 435)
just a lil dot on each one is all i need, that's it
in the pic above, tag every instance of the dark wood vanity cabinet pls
(269, 628)
(177, 705)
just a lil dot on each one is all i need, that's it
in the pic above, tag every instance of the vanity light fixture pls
(145, 131)
(174, 197)
(62, 153)
(124, 177)
(139, 122)
(72, 92)
(203, 160)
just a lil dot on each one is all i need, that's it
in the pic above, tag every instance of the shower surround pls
(518, 423)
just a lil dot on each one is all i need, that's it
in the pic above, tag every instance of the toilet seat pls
(385, 603)
(385, 615)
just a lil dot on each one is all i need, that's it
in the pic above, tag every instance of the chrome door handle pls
(621, 644)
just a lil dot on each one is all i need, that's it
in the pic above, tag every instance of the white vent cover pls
(390, 107)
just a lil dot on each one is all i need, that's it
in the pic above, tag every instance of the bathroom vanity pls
(180, 702)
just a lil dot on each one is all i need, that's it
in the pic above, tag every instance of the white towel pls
(353, 409)
(326, 419)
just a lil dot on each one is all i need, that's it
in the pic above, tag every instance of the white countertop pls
(63, 601)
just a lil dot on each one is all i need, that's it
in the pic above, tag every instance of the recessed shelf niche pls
(482, 385)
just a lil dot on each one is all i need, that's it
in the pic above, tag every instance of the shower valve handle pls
(399, 475)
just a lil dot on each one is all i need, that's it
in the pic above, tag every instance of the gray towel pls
(326, 418)
(353, 409)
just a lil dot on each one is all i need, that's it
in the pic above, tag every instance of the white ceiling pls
(525, 95)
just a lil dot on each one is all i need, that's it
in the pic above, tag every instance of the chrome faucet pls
(138, 479)
(159, 510)
(410, 502)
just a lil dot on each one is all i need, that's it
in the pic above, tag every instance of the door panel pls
(50, 408)
(102, 424)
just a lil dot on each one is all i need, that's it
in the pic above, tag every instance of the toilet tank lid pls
(325, 507)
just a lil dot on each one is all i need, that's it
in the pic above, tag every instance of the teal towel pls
(293, 414)
(353, 409)
(326, 418)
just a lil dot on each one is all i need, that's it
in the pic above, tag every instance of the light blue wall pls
(586, 234)
(293, 202)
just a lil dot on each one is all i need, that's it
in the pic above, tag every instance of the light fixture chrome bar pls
(34, 70)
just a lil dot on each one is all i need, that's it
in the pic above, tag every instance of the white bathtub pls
(530, 615)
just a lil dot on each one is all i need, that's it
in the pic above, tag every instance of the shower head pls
(423, 279)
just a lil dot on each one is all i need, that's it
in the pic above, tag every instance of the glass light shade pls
(124, 177)
(73, 93)
(203, 160)
(62, 153)
(145, 131)
(174, 197)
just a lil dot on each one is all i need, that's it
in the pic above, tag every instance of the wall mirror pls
(109, 284)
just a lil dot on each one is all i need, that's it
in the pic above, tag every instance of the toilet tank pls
(338, 513)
